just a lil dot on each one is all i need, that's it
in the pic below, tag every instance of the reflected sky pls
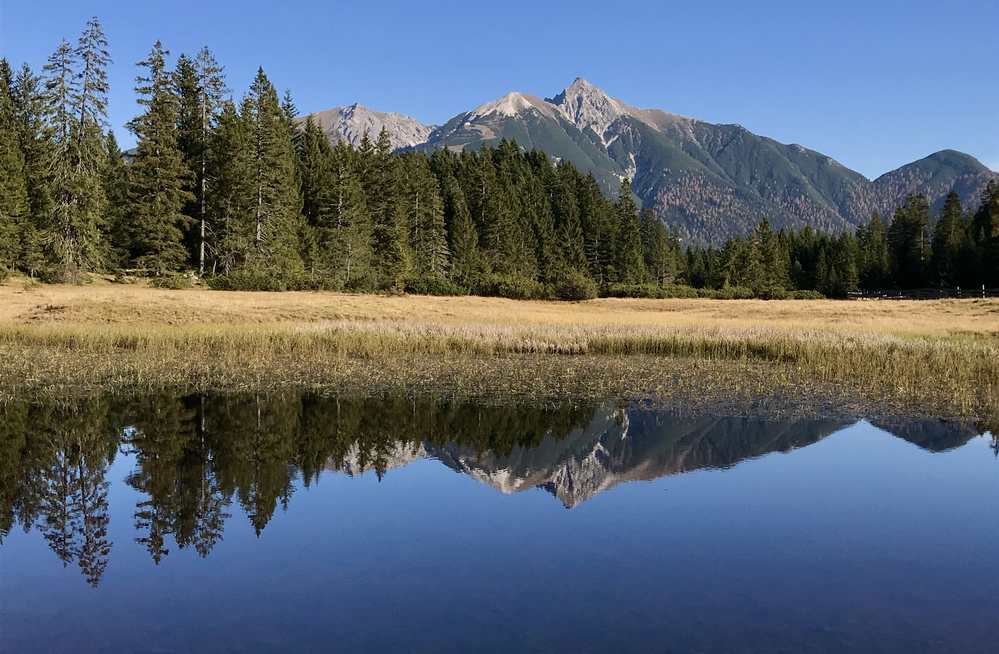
(323, 524)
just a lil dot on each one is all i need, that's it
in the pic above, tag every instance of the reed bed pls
(956, 375)
(935, 357)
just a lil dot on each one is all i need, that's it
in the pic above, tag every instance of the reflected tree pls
(68, 490)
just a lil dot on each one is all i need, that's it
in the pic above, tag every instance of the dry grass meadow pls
(934, 357)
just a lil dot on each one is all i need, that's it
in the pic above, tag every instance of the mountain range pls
(620, 446)
(708, 181)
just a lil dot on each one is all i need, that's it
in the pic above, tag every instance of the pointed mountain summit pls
(588, 107)
(707, 181)
(512, 104)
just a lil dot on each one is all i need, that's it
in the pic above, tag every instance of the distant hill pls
(706, 180)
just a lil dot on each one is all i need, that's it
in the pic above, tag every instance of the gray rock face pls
(352, 122)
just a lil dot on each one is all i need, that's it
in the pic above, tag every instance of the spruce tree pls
(276, 201)
(230, 188)
(425, 218)
(116, 191)
(314, 161)
(597, 219)
(76, 100)
(158, 178)
(342, 224)
(290, 112)
(485, 206)
(773, 268)
(14, 206)
(511, 213)
(200, 85)
(60, 87)
(467, 265)
(909, 246)
(630, 264)
(388, 212)
(661, 250)
(985, 233)
(38, 147)
(948, 238)
(568, 227)
(875, 269)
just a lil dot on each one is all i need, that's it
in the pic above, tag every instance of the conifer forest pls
(234, 188)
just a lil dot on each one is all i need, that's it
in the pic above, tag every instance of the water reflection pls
(194, 457)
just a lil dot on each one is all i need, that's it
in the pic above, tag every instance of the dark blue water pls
(289, 523)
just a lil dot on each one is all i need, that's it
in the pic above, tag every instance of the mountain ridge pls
(708, 181)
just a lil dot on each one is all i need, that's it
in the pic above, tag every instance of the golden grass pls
(936, 356)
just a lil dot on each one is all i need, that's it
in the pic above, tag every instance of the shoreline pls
(84, 340)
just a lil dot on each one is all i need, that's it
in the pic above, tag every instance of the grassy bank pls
(936, 357)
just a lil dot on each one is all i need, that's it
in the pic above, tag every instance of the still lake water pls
(295, 523)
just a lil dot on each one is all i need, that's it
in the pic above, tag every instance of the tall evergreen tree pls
(985, 234)
(91, 90)
(425, 217)
(540, 229)
(37, 146)
(116, 191)
(875, 268)
(314, 161)
(467, 265)
(772, 265)
(948, 239)
(199, 83)
(391, 233)
(630, 264)
(342, 224)
(662, 251)
(14, 206)
(600, 230)
(568, 227)
(230, 178)
(76, 99)
(909, 247)
(158, 184)
(277, 204)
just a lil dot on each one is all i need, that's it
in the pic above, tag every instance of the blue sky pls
(874, 84)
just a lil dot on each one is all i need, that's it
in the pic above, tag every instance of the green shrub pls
(576, 286)
(805, 295)
(435, 286)
(655, 292)
(678, 291)
(263, 280)
(172, 281)
(633, 290)
(513, 287)
(733, 293)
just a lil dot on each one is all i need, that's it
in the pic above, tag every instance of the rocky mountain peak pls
(510, 105)
(350, 123)
(588, 107)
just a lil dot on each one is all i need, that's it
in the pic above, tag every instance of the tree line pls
(198, 460)
(247, 195)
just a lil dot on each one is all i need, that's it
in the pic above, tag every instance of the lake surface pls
(296, 523)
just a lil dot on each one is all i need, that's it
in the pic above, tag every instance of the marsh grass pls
(933, 357)
(959, 375)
